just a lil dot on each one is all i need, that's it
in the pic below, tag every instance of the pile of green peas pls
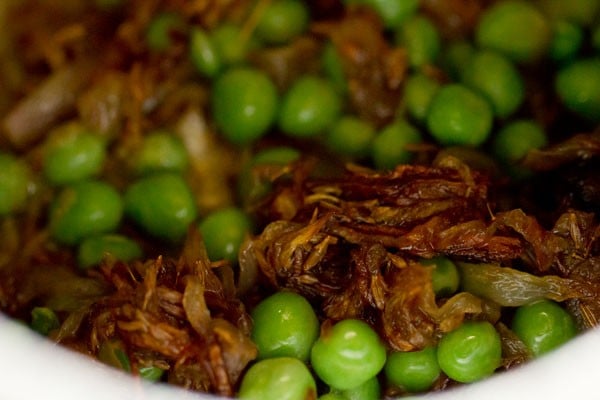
(480, 104)
(350, 359)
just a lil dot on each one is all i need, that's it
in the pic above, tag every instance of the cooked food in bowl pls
(359, 198)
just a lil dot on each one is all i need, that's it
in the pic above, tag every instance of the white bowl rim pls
(34, 368)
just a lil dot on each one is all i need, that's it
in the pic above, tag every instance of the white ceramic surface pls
(33, 368)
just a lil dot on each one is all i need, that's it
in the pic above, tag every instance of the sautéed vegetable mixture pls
(363, 199)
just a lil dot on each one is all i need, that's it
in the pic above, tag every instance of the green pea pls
(471, 352)
(15, 179)
(516, 29)
(333, 67)
(275, 155)
(231, 46)
(253, 186)
(92, 250)
(514, 140)
(459, 116)
(223, 232)
(413, 371)
(578, 86)
(108, 5)
(244, 103)
(160, 151)
(567, 40)
(44, 320)
(456, 56)
(84, 209)
(282, 21)
(72, 154)
(285, 325)
(595, 38)
(391, 146)
(580, 12)
(543, 326)
(369, 390)
(332, 396)
(160, 29)
(498, 80)
(112, 352)
(281, 378)
(203, 54)
(419, 89)
(350, 136)
(444, 276)
(421, 39)
(392, 12)
(347, 354)
(310, 106)
(162, 204)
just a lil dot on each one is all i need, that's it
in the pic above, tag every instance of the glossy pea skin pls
(413, 371)
(497, 79)
(71, 154)
(471, 352)
(84, 209)
(15, 177)
(244, 104)
(203, 54)
(444, 275)
(419, 89)
(94, 249)
(350, 136)
(223, 232)
(282, 21)
(285, 325)
(421, 39)
(281, 378)
(459, 116)
(543, 326)
(160, 29)
(162, 204)
(160, 151)
(515, 28)
(391, 146)
(310, 106)
(347, 354)
(44, 320)
(578, 86)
